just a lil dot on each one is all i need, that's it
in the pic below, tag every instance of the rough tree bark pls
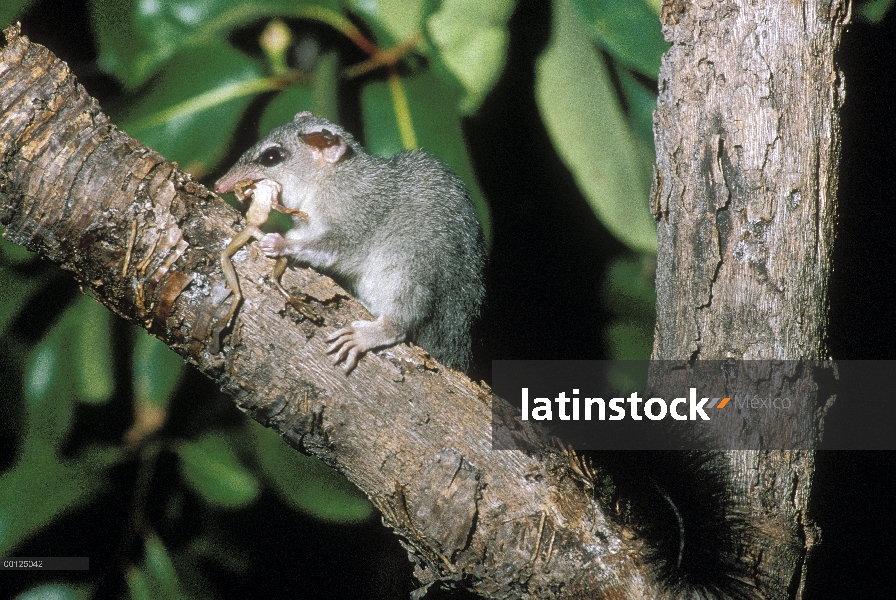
(747, 138)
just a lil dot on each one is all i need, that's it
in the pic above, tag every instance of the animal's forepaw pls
(352, 341)
(348, 345)
(273, 245)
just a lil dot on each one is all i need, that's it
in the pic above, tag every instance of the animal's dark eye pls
(271, 156)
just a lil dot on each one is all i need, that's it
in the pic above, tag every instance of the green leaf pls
(470, 37)
(628, 289)
(139, 585)
(641, 102)
(630, 30)
(95, 379)
(306, 483)
(72, 362)
(326, 83)
(13, 254)
(56, 591)
(284, 106)
(49, 382)
(35, 491)
(212, 468)
(629, 294)
(382, 132)
(157, 370)
(160, 568)
(191, 110)
(392, 21)
(874, 11)
(579, 106)
(434, 123)
(628, 373)
(319, 97)
(137, 37)
(11, 10)
(629, 340)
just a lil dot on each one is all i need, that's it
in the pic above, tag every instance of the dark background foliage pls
(151, 531)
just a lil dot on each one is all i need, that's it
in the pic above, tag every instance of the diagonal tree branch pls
(416, 437)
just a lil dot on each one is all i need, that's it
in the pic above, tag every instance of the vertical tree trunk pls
(747, 138)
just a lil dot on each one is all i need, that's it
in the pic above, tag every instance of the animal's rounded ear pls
(302, 115)
(325, 145)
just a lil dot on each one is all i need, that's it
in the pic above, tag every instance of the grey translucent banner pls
(703, 405)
